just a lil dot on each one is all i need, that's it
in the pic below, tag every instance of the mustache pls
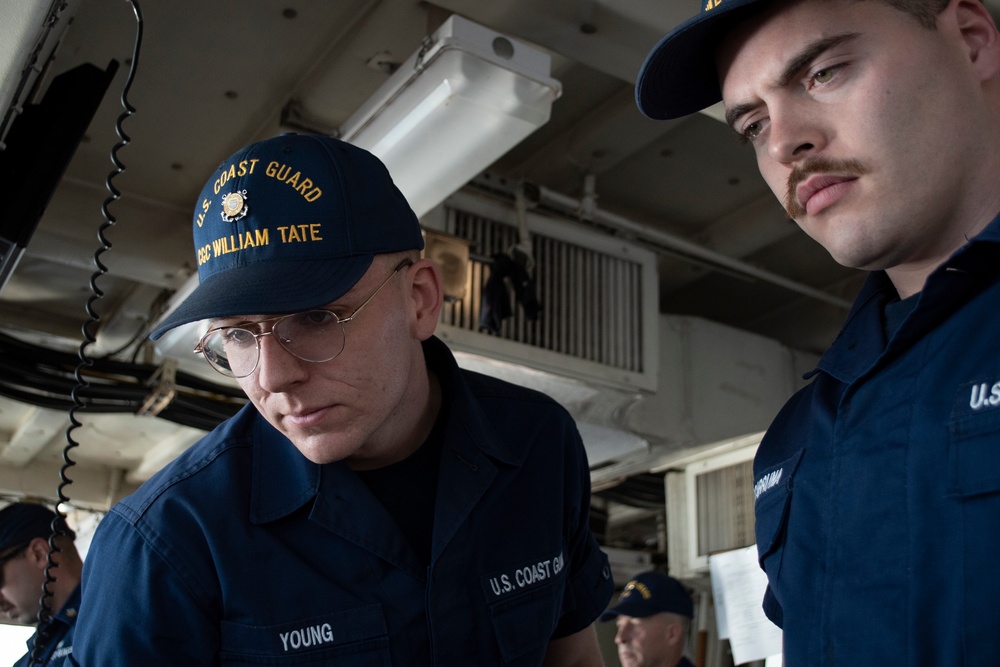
(818, 165)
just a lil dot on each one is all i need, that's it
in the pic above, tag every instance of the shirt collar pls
(67, 614)
(469, 428)
(862, 338)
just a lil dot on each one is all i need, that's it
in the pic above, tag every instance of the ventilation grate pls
(725, 508)
(591, 301)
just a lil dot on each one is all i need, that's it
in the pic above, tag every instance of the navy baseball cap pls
(291, 223)
(679, 76)
(22, 522)
(651, 593)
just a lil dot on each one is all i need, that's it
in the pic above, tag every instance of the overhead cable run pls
(45, 378)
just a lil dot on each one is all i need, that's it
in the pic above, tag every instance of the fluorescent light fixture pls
(454, 107)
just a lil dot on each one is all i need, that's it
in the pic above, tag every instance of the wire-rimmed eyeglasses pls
(314, 335)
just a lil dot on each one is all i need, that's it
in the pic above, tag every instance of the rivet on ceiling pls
(588, 28)
(289, 13)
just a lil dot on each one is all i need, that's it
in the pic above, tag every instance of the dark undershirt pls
(407, 489)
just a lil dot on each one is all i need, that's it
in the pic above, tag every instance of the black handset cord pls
(58, 525)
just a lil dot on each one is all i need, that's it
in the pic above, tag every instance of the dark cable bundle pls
(45, 378)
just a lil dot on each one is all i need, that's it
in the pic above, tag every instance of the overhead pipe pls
(682, 246)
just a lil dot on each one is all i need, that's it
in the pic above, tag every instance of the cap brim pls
(679, 75)
(628, 608)
(274, 289)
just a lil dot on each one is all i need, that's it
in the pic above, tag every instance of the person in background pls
(373, 504)
(876, 123)
(653, 615)
(25, 529)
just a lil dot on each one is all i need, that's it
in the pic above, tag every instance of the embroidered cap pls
(679, 76)
(22, 522)
(651, 593)
(291, 223)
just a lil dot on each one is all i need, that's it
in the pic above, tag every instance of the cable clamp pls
(164, 384)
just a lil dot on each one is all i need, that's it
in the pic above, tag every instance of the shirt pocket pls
(349, 637)
(773, 499)
(523, 623)
(974, 453)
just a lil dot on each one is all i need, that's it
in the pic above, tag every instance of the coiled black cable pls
(79, 392)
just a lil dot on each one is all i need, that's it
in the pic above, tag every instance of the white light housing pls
(454, 107)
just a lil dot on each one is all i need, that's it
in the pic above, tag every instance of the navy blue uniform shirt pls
(878, 485)
(242, 552)
(58, 641)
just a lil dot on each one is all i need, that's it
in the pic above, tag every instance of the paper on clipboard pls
(738, 586)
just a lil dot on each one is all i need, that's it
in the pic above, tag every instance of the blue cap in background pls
(650, 593)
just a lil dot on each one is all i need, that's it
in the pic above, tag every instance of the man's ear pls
(980, 36)
(427, 292)
(37, 552)
(675, 633)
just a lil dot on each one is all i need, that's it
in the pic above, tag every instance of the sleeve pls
(590, 584)
(124, 620)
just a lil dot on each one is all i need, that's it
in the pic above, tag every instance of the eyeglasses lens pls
(315, 335)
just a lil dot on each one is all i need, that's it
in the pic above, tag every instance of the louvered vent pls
(710, 504)
(725, 508)
(597, 295)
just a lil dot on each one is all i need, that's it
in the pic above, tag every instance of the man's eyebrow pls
(736, 112)
(810, 53)
(796, 64)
